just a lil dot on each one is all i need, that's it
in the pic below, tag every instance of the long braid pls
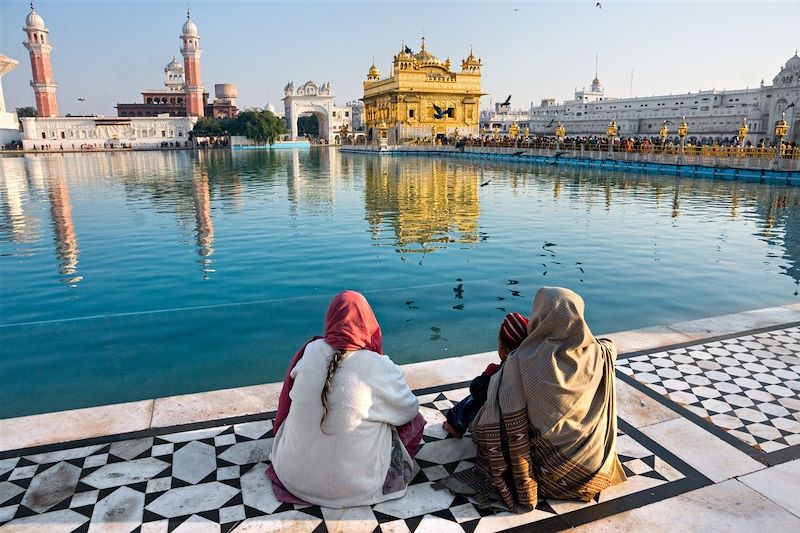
(336, 359)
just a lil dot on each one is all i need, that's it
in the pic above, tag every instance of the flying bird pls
(407, 50)
(550, 123)
(507, 102)
(438, 112)
(598, 4)
(790, 105)
(668, 122)
(485, 183)
(517, 154)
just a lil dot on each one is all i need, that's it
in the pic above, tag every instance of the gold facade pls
(405, 100)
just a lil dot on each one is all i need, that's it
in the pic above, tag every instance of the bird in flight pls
(517, 154)
(408, 50)
(438, 112)
(485, 183)
(507, 102)
(598, 4)
(550, 123)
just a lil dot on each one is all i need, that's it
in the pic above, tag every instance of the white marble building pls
(712, 114)
(76, 133)
(9, 124)
(310, 99)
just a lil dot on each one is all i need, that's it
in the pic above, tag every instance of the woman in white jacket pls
(347, 424)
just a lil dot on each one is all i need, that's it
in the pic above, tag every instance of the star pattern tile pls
(213, 479)
(747, 386)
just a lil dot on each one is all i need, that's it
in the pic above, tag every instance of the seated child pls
(512, 332)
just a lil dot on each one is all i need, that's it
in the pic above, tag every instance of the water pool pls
(135, 275)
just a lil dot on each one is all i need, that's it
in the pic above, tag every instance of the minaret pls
(44, 86)
(190, 49)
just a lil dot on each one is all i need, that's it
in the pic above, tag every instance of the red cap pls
(513, 331)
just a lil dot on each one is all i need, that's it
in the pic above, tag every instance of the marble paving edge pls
(183, 409)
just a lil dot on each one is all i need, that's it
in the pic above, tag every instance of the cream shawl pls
(549, 424)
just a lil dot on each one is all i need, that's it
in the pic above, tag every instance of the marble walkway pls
(709, 435)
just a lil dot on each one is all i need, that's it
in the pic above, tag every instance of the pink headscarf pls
(350, 325)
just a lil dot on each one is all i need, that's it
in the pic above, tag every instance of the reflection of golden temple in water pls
(423, 204)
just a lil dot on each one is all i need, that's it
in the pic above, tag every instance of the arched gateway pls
(310, 99)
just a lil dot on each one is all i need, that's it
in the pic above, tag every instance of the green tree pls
(28, 111)
(207, 127)
(257, 124)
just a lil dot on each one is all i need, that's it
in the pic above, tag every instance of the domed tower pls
(471, 64)
(190, 49)
(38, 44)
(373, 74)
(174, 76)
(597, 87)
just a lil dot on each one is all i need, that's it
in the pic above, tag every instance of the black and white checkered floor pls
(212, 479)
(745, 387)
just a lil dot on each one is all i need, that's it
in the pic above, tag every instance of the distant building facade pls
(87, 133)
(9, 124)
(712, 115)
(405, 100)
(49, 131)
(183, 93)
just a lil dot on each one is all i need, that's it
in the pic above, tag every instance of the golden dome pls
(374, 73)
(426, 57)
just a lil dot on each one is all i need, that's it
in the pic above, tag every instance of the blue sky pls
(108, 51)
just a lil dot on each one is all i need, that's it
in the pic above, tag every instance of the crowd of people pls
(543, 417)
(706, 145)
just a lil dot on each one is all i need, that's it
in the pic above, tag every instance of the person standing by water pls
(548, 428)
(347, 426)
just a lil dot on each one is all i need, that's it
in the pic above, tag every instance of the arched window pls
(172, 100)
(149, 100)
(180, 100)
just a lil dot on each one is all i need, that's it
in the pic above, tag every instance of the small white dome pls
(794, 62)
(34, 21)
(270, 108)
(189, 28)
(173, 65)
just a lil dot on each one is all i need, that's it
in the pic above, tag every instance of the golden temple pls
(423, 97)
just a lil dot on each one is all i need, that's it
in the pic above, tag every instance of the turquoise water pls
(135, 275)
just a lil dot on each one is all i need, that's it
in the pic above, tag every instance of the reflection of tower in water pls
(425, 204)
(204, 225)
(66, 240)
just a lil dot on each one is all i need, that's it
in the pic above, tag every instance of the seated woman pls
(347, 424)
(548, 428)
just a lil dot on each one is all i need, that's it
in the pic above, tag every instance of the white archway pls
(309, 99)
(323, 118)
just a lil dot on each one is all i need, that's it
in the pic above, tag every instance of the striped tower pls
(190, 49)
(38, 44)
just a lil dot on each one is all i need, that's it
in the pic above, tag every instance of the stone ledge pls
(87, 423)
